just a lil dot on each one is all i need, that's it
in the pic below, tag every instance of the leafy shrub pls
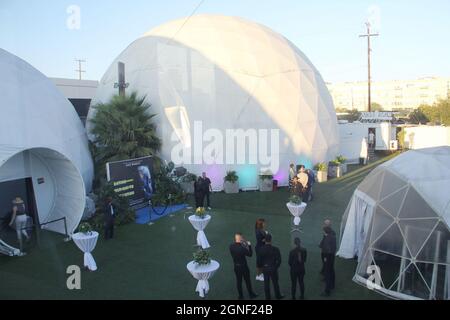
(231, 177)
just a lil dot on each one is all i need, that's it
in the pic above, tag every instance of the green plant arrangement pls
(85, 228)
(188, 177)
(322, 166)
(335, 162)
(341, 159)
(265, 176)
(202, 257)
(231, 177)
(200, 212)
(294, 199)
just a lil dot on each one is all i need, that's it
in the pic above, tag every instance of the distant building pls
(78, 92)
(391, 95)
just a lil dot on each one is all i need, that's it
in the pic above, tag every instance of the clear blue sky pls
(413, 42)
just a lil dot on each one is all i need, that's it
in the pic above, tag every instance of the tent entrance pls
(9, 190)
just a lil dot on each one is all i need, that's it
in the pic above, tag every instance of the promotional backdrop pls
(132, 179)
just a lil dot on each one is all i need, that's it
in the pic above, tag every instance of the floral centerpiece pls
(200, 212)
(85, 228)
(202, 257)
(294, 199)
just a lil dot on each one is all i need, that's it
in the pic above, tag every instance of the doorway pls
(9, 190)
(372, 138)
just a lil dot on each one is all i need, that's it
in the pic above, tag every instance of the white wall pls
(426, 137)
(76, 89)
(352, 134)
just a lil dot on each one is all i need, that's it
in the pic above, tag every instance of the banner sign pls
(132, 179)
(377, 116)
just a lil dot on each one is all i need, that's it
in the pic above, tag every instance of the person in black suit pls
(328, 246)
(109, 216)
(326, 223)
(198, 193)
(270, 259)
(240, 250)
(297, 259)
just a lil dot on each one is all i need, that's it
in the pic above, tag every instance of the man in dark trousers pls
(326, 223)
(206, 186)
(270, 259)
(328, 246)
(240, 250)
(109, 216)
(297, 259)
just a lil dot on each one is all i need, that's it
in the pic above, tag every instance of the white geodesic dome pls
(398, 220)
(42, 138)
(229, 73)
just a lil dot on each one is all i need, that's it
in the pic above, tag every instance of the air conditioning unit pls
(393, 145)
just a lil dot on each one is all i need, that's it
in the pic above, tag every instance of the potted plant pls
(85, 228)
(202, 257)
(266, 181)
(334, 169)
(187, 182)
(342, 163)
(200, 212)
(295, 200)
(322, 171)
(231, 183)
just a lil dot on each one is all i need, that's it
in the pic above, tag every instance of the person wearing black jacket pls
(198, 193)
(328, 246)
(297, 259)
(270, 259)
(109, 216)
(240, 250)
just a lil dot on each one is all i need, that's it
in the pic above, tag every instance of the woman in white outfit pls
(19, 216)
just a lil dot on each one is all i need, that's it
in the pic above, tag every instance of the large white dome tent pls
(398, 220)
(229, 73)
(42, 140)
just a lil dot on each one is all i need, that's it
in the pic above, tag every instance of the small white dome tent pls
(397, 223)
(229, 74)
(42, 139)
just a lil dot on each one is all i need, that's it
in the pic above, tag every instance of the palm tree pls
(123, 129)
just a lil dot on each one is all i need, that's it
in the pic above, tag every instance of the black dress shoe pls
(253, 295)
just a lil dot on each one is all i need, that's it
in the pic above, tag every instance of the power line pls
(369, 35)
(186, 21)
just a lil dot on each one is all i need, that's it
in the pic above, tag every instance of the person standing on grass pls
(311, 181)
(291, 175)
(207, 189)
(240, 250)
(109, 215)
(328, 246)
(198, 193)
(297, 259)
(326, 223)
(304, 181)
(270, 259)
(260, 233)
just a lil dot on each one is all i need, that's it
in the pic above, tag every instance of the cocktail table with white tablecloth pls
(200, 224)
(202, 273)
(296, 210)
(86, 242)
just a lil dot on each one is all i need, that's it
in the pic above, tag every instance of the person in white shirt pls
(303, 179)
(371, 139)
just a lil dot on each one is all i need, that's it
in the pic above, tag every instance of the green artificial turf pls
(149, 262)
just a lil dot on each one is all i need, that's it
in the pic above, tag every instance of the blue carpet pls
(143, 217)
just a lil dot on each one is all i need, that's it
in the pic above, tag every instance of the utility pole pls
(121, 84)
(79, 70)
(369, 79)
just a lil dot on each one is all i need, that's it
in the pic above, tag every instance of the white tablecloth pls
(203, 273)
(86, 243)
(296, 211)
(200, 224)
